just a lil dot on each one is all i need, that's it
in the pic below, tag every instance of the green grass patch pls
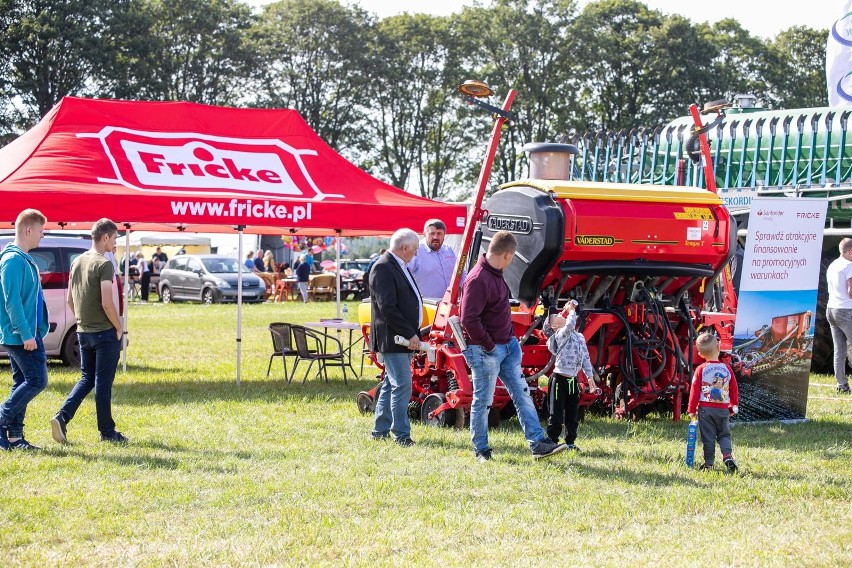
(269, 474)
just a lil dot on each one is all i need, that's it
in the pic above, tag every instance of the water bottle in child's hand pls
(400, 340)
(570, 306)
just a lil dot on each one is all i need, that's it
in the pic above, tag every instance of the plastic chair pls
(318, 347)
(282, 291)
(322, 286)
(282, 346)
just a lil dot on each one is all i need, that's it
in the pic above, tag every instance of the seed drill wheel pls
(433, 401)
(366, 404)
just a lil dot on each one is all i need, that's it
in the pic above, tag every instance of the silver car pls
(53, 257)
(208, 278)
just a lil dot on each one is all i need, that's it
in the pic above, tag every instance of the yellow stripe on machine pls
(599, 191)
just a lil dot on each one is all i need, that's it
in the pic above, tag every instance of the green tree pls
(187, 50)
(526, 45)
(738, 61)
(313, 58)
(678, 61)
(615, 48)
(796, 77)
(49, 49)
(412, 102)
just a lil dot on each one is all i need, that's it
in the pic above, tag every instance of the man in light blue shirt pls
(434, 264)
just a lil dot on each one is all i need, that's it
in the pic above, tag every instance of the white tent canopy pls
(152, 238)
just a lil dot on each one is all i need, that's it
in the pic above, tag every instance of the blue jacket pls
(20, 298)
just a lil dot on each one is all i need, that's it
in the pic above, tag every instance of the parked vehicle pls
(208, 278)
(354, 268)
(53, 257)
(352, 277)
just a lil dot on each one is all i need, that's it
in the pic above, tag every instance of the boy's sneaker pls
(731, 465)
(483, 455)
(22, 444)
(58, 428)
(405, 442)
(843, 389)
(547, 448)
(573, 448)
(706, 467)
(116, 438)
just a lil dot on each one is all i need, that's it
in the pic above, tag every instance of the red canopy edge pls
(186, 166)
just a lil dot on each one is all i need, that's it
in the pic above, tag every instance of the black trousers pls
(145, 285)
(564, 398)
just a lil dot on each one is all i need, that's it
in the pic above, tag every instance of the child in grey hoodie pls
(563, 389)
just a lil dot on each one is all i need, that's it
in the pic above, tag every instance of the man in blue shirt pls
(23, 324)
(249, 261)
(434, 264)
(258, 261)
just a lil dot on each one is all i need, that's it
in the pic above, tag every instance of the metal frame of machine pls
(648, 266)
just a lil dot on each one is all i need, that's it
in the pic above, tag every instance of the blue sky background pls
(757, 308)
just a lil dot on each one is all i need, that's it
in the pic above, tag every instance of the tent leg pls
(337, 272)
(126, 293)
(239, 302)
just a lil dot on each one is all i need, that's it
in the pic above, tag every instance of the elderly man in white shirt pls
(434, 264)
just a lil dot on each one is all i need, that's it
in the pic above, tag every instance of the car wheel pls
(208, 296)
(70, 353)
(165, 294)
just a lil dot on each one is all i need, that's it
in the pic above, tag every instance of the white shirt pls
(433, 270)
(413, 287)
(836, 276)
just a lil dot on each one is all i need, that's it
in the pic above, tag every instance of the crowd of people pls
(398, 279)
(144, 273)
(410, 271)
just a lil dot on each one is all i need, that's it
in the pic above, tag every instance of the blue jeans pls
(99, 353)
(29, 377)
(393, 397)
(504, 361)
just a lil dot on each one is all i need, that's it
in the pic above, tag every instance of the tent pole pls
(337, 272)
(126, 293)
(239, 229)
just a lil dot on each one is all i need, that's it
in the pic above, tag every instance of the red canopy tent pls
(161, 165)
(186, 166)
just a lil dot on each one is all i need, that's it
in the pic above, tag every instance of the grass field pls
(269, 474)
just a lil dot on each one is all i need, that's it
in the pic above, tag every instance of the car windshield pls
(354, 265)
(223, 265)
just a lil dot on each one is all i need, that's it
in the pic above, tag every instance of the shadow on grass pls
(813, 435)
(139, 455)
(169, 392)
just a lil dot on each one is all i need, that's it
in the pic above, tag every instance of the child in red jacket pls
(714, 397)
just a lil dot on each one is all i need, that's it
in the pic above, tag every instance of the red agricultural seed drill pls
(647, 266)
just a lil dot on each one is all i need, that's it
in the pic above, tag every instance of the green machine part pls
(802, 152)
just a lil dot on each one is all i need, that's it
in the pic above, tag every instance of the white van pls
(53, 257)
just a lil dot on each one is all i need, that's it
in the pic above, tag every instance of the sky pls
(763, 18)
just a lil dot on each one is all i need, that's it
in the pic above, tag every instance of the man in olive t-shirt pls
(99, 330)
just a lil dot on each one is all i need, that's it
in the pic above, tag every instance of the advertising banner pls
(838, 57)
(773, 336)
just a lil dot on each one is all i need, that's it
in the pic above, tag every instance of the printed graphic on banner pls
(774, 332)
(193, 163)
(838, 57)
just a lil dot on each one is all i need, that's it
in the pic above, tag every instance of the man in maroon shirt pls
(494, 350)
